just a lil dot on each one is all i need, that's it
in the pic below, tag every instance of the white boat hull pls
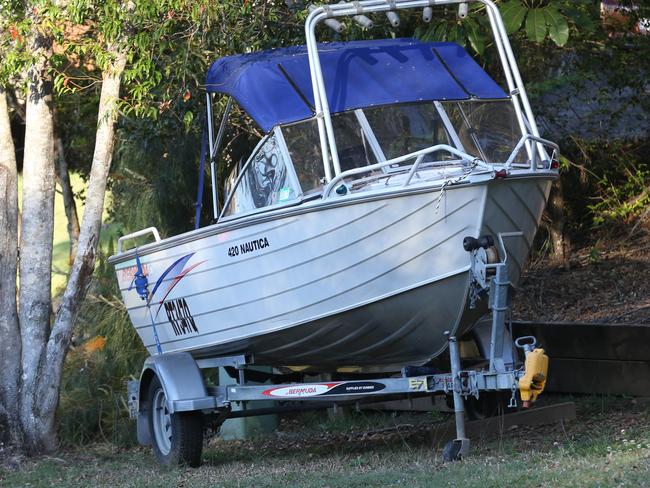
(371, 280)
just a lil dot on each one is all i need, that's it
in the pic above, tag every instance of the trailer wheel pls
(488, 404)
(177, 438)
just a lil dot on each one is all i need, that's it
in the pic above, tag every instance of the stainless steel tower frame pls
(515, 84)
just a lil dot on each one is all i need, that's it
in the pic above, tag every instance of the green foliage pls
(558, 28)
(20, 22)
(609, 182)
(473, 30)
(174, 41)
(532, 21)
(513, 14)
(594, 255)
(154, 177)
(76, 123)
(623, 189)
(93, 404)
(540, 20)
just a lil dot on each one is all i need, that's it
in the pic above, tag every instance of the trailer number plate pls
(418, 384)
(445, 383)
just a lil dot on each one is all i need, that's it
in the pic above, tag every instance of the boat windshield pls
(486, 130)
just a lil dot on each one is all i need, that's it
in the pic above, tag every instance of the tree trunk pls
(560, 243)
(84, 263)
(36, 245)
(9, 329)
(68, 198)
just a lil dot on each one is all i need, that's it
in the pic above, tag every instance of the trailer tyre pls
(177, 438)
(488, 404)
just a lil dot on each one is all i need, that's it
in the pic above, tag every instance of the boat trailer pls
(185, 391)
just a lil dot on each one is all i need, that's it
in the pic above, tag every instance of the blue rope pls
(155, 332)
(199, 191)
(141, 283)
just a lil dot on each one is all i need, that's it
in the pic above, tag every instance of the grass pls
(602, 448)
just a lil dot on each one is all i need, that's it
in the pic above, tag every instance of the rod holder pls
(427, 14)
(393, 18)
(363, 21)
(463, 10)
(333, 24)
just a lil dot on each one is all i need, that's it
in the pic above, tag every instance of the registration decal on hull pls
(180, 316)
(322, 389)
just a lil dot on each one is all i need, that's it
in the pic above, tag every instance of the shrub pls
(107, 352)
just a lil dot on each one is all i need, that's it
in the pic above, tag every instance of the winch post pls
(499, 299)
(460, 445)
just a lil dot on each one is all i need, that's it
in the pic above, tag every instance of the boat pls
(390, 202)
(339, 242)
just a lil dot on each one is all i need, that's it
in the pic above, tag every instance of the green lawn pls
(609, 447)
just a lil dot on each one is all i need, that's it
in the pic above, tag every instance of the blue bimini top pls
(274, 87)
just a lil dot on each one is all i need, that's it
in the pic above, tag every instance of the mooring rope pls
(452, 181)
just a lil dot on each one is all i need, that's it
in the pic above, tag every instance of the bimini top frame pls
(515, 84)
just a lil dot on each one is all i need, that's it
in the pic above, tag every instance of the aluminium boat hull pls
(361, 280)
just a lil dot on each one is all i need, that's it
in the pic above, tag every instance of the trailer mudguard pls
(181, 380)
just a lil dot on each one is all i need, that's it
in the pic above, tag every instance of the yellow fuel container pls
(531, 385)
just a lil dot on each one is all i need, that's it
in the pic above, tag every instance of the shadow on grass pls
(310, 436)
(596, 432)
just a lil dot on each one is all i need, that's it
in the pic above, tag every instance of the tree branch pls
(68, 198)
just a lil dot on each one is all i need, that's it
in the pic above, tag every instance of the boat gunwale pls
(301, 207)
